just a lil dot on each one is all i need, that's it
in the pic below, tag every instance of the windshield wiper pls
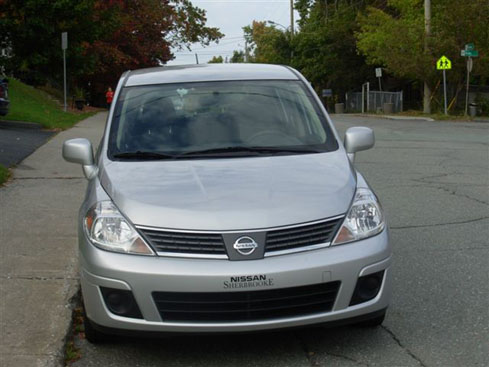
(226, 151)
(144, 155)
(256, 150)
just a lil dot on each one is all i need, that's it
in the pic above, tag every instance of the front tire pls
(91, 334)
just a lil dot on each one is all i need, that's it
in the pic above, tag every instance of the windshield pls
(218, 118)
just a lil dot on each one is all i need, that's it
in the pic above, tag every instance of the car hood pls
(231, 193)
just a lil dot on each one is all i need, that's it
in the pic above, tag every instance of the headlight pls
(109, 230)
(365, 218)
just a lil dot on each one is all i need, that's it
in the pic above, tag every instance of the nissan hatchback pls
(221, 199)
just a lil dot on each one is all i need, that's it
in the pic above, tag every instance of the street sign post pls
(327, 93)
(378, 74)
(469, 52)
(64, 46)
(470, 64)
(365, 91)
(444, 64)
(472, 53)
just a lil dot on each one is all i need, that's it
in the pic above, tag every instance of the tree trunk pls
(426, 98)
(427, 30)
(291, 19)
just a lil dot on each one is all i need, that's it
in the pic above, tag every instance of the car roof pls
(209, 72)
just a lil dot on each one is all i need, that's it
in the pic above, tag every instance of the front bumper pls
(144, 275)
(4, 106)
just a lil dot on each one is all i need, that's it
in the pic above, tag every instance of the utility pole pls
(469, 69)
(291, 18)
(427, 35)
(445, 92)
(246, 55)
(64, 46)
(196, 58)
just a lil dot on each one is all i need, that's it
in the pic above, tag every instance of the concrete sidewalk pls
(38, 262)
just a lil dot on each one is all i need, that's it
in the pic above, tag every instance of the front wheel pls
(91, 334)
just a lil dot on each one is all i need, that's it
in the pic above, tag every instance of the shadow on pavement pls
(19, 140)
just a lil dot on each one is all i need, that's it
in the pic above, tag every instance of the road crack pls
(406, 349)
(309, 355)
(454, 193)
(439, 224)
(313, 362)
(25, 277)
(49, 178)
(426, 180)
(347, 359)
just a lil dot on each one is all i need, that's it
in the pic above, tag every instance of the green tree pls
(33, 29)
(238, 56)
(216, 60)
(106, 37)
(394, 38)
(325, 47)
(267, 44)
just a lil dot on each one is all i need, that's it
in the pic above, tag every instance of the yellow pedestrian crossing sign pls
(443, 63)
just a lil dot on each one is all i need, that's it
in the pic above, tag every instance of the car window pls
(179, 118)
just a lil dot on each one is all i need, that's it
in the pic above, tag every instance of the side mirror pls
(358, 139)
(80, 151)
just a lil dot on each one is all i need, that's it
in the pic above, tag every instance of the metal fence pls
(372, 101)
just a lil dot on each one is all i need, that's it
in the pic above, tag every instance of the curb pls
(389, 117)
(20, 124)
(410, 118)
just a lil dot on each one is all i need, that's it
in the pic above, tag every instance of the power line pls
(203, 52)
(218, 45)
(230, 37)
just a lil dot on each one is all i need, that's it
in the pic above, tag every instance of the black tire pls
(91, 334)
(375, 322)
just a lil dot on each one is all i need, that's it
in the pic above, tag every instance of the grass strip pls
(4, 174)
(33, 105)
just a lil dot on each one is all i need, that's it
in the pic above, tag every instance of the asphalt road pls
(18, 140)
(433, 181)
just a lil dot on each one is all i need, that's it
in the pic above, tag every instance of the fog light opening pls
(367, 288)
(121, 302)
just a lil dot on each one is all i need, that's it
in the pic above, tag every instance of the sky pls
(230, 16)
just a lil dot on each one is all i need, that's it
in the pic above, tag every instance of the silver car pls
(221, 199)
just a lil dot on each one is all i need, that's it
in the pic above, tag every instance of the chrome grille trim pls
(298, 249)
(192, 256)
(310, 236)
(179, 244)
(244, 231)
(222, 256)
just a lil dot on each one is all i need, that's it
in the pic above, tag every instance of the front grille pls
(206, 244)
(303, 236)
(184, 242)
(248, 305)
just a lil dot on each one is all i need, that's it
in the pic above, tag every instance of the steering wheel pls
(276, 135)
